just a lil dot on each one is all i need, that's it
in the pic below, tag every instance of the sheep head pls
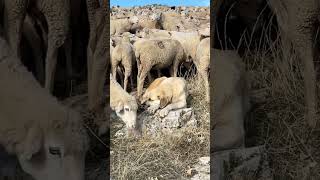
(58, 153)
(128, 113)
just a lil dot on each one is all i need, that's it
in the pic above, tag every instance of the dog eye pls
(126, 109)
(54, 151)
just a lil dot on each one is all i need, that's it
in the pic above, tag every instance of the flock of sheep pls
(157, 38)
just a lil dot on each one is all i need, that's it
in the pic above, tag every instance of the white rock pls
(204, 160)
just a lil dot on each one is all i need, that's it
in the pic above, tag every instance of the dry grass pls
(165, 157)
(277, 119)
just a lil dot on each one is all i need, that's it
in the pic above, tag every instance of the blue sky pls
(128, 3)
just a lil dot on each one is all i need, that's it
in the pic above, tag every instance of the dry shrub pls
(277, 118)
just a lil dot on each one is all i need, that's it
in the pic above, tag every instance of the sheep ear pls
(32, 143)
(164, 100)
(119, 107)
(202, 36)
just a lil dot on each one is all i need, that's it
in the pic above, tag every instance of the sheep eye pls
(54, 151)
(121, 111)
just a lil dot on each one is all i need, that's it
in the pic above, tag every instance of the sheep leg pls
(89, 76)
(92, 5)
(126, 81)
(299, 21)
(51, 62)
(120, 73)
(68, 54)
(127, 73)
(159, 73)
(150, 79)
(175, 68)
(99, 70)
(131, 82)
(309, 83)
(204, 75)
(35, 42)
(15, 11)
(142, 77)
(199, 77)
(89, 66)
(203, 70)
(114, 68)
(58, 28)
(302, 41)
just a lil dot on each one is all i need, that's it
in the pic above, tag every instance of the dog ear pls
(202, 36)
(165, 99)
(31, 144)
(156, 83)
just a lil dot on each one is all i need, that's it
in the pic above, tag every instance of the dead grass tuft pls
(277, 119)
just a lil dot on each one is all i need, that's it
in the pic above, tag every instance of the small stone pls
(191, 172)
(204, 160)
(121, 133)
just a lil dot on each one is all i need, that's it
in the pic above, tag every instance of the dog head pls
(156, 95)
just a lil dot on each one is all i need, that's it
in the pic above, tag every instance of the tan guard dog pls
(167, 94)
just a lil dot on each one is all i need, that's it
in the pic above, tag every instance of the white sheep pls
(119, 26)
(202, 63)
(152, 22)
(171, 21)
(160, 54)
(153, 33)
(47, 137)
(189, 41)
(123, 54)
(230, 100)
(124, 105)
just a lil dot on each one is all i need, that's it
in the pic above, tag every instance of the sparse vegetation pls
(277, 118)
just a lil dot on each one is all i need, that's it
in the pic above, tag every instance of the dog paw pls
(152, 110)
(163, 112)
